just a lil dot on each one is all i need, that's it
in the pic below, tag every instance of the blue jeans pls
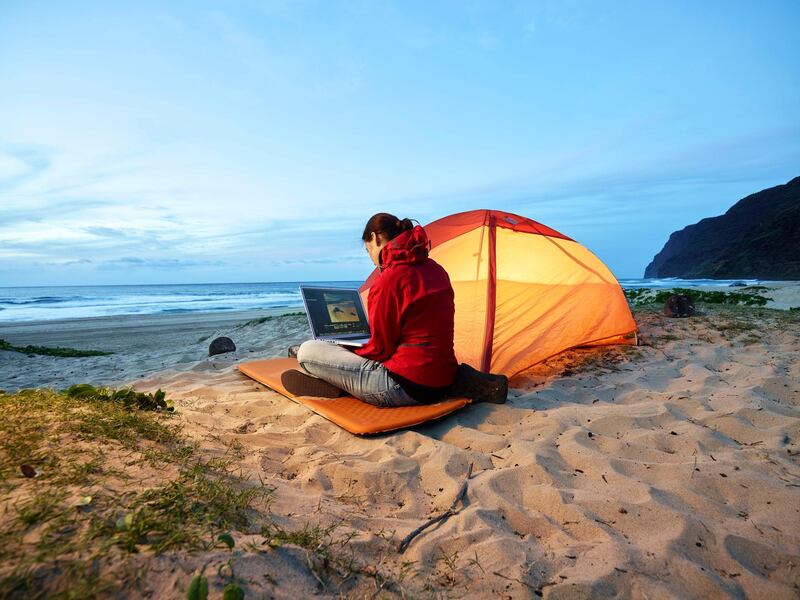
(365, 379)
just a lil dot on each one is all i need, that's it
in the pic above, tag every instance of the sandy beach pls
(666, 470)
(141, 345)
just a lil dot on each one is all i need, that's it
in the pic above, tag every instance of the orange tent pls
(523, 292)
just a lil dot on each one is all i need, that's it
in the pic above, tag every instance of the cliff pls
(758, 238)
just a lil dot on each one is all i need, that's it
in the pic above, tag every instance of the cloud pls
(107, 232)
(14, 211)
(330, 260)
(19, 164)
(745, 159)
(11, 167)
(135, 262)
(65, 263)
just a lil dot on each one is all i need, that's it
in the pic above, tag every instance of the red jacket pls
(411, 313)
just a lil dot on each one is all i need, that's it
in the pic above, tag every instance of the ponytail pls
(404, 225)
(387, 224)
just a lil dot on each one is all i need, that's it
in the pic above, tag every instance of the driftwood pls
(446, 514)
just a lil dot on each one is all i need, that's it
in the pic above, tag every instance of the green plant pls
(649, 296)
(128, 397)
(51, 351)
(232, 592)
(198, 588)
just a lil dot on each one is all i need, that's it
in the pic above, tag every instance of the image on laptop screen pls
(335, 312)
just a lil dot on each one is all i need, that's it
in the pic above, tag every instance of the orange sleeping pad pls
(347, 412)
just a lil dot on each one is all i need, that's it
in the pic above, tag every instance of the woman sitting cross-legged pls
(409, 359)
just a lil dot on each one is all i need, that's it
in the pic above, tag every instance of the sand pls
(141, 345)
(660, 471)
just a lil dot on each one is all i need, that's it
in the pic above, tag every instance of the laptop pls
(336, 315)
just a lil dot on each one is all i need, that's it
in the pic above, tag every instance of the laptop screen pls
(335, 312)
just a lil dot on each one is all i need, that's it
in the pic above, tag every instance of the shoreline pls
(142, 345)
(53, 330)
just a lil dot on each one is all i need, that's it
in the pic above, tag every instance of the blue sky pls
(178, 142)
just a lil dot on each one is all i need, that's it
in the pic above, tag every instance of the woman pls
(409, 359)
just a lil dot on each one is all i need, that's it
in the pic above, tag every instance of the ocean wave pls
(39, 300)
(41, 304)
(671, 282)
(194, 310)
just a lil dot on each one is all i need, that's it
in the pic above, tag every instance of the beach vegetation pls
(51, 351)
(198, 588)
(752, 297)
(258, 321)
(80, 490)
(129, 398)
(733, 327)
(268, 318)
(232, 592)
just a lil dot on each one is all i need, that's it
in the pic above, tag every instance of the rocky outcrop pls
(758, 238)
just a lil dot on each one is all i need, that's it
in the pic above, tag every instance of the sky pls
(195, 142)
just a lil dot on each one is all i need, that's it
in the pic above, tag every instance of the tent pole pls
(491, 297)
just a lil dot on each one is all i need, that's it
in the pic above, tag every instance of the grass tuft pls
(268, 318)
(128, 397)
(52, 351)
(258, 321)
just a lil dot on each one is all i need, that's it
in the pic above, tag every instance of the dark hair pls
(389, 225)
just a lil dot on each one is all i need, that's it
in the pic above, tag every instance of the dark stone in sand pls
(679, 305)
(221, 345)
(738, 284)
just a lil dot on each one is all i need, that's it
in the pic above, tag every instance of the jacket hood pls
(409, 247)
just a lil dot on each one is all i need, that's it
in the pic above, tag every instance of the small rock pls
(679, 306)
(28, 471)
(738, 284)
(221, 345)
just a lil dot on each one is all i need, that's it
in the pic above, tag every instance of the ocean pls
(48, 303)
(674, 282)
